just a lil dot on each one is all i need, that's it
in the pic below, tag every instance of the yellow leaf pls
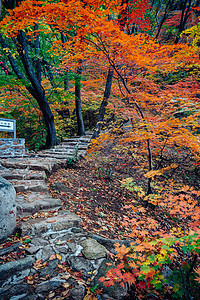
(58, 256)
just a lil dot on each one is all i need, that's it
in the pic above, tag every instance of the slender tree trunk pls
(66, 80)
(79, 117)
(104, 103)
(33, 79)
(39, 92)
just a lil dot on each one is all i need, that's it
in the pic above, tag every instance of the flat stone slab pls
(20, 174)
(92, 249)
(47, 165)
(57, 156)
(29, 185)
(66, 146)
(33, 202)
(8, 269)
(64, 220)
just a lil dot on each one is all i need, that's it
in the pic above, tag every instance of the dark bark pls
(104, 103)
(66, 80)
(79, 117)
(38, 68)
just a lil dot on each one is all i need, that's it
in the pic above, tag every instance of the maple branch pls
(113, 65)
(161, 152)
(14, 65)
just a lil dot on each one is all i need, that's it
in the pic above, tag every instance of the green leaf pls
(94, 288)
(26, 241)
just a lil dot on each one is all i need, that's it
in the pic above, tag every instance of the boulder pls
(92, 249)
(7, 208)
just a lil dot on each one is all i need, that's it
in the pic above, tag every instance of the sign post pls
(8, 125)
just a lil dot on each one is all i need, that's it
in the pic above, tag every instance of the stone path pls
(57, 241)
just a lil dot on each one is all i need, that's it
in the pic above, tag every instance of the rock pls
(92, 249)
(47, 165)
(33, 202)
(115, 291)
(50, 268)
(77, 293)
(7, 209)
(62, 249)
(80, 264)
(8, 292)
(59, 186)
(110, 243)
(29, 186)
(9, 249)
(26, 297)
(64, 220)
(20, 174)
(49, 285)
(38, 242)
(33, 249)
(107, 297)
(12, 267)
(47, 251)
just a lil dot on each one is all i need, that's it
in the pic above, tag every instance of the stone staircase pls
(58, 244)
(75, 147)
(28, 174)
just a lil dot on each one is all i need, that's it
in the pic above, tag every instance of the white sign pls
(8, 125)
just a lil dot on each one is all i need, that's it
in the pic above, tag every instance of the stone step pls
(67, 142)
(61, 151)
(20, 174)
(64, 220)
(33, 164)
(30, 203)
(57, 156)
(64, 152)
(29, 185)
(81, 139)
(66, 146)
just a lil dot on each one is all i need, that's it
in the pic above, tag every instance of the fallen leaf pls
(58, 256)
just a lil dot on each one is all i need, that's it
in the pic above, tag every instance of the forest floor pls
(97, 186)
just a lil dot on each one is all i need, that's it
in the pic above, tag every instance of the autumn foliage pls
(156, 88)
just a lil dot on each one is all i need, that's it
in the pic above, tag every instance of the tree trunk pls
(33, 85)
(66, 80)
(79, 117)
(38, 92)
(104, 103)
